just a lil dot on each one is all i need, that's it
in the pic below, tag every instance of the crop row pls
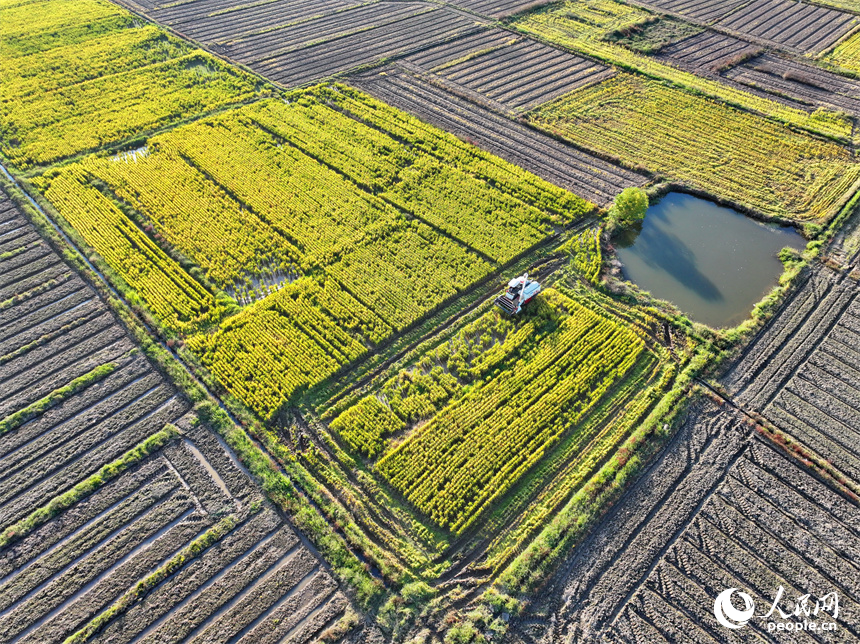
(349, 48)
(97, 491)
(564, 473)
(220, 218)
(396, 214)
(846, 54)
(173, 295)
(519, 74)
(584, 174)
(122, 82)
(321, 29)
(495, 8)
(696, 140)
(745, 535)
(789, 23)
(768, 365)
(701, 10)
(292, 339)
(209, 22)
(802, 83)
(708, 50)
(364, 425)
(470, 453)
(583, 26)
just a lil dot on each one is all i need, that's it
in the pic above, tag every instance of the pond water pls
(712, 262)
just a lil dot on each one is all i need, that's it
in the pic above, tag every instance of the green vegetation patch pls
(78, 74)
(524, 393)
(650, 36)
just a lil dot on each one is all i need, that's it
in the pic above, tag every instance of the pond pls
(712, 262)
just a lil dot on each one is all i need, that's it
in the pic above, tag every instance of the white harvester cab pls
(521, 291)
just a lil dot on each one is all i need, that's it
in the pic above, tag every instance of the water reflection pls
(712, 262)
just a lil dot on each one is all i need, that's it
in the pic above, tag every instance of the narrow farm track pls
(77, 397)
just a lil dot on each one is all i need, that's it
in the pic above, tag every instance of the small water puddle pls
(712, 262)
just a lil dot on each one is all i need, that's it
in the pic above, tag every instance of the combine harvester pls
(521, 291)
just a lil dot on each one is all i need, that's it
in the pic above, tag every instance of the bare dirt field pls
(720, 509)
(179, 516)
(802, 373)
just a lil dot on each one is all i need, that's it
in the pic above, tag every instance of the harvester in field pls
(521, 291)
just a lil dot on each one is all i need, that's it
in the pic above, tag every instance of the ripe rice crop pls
(703, 143)
(536, 384)
(364, 425)
(78, 74)
(846, 54)
(291, 339)
(582, 26)
(179, 301)
(585, 254)
(387, 217)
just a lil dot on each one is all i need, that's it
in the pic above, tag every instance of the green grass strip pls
(18, 418)
(9, 254)
(89, 485)
(26, 295)
(42, 340)
(141, 588)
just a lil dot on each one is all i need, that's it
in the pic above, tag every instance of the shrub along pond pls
(713, 263)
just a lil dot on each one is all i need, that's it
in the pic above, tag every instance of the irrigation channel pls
(713, 262)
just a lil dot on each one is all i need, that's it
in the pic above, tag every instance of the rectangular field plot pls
(299, 55)
(769, 524)
(719, 509)
(384, 216)
(78, 75)
(707, 11)
(496, 8)
(708, 50)
(565, 166)
(787, 23)
(216, 21)
(596, 28)
(704, 143)
(803, 373)
(517, 73)
(296, 43)
(106, 479)
(846, 54)
(482, 409)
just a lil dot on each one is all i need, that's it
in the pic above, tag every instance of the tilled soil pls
(723, 508)
(583, 173)
(258, 582)
(518, 73)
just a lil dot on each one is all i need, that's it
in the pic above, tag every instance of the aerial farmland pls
(429, 321)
